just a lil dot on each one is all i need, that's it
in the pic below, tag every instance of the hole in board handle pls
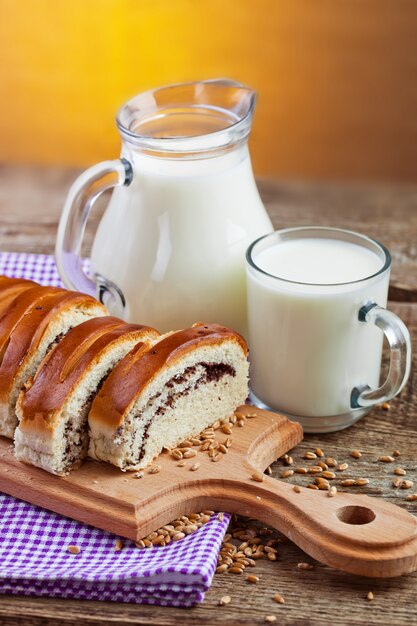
(355, 515)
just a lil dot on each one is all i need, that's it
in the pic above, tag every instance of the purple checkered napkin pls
(34, 560)
(34, 557)
(38, 267)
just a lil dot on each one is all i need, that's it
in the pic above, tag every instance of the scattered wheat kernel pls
(278, 598)
(179, 535)
(271, 556)
(270, 618)
(227, 429)
(74, 550)
(348, 482)
(258, 477)
(252, 579)
(314, 469)
(225, 600)
(194, 467)
(95, 482)
(251, 415)
(176, 453)
(239, 416)
(342, 467)
(370, 596)
(406, 484)
(221, 568)
(310, 455)
(386, 459)
(189, 454)
(319, 452)
(331, 462)
(159, 540)
(400, 471)
(119, 545)
(222, 449)
(181, 464)
(323, 486)
(228, 442)
(186, 444)
(287, 473)
(305, 566)
(412, 497)
(396, 453)
(361, 481)
(138, 475)
(311, 486)
(216, 425)
(301, 470)
(332, 492)
(356, 454)
(385, 406)
(241, 423)
(323, 465)
(220, 516)
(329, 475)
(154, 469)
(297, 489)
(268, 470)
(217, 457)
(235, 569)
(396, 482)
(140, 544)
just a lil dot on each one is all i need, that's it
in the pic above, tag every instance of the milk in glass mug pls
(316, 299)
(170, 249)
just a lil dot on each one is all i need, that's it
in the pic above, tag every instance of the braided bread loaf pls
(74, 381)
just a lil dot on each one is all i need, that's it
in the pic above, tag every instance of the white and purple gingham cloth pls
(34, 557)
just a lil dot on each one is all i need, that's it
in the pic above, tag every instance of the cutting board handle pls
(355, 533)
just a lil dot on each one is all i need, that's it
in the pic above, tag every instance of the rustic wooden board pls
(349, 532)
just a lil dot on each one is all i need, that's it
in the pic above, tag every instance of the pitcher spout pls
(237, 97)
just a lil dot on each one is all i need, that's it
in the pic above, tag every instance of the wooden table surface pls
(30, 204)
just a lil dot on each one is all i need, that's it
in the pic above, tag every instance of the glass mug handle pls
(399, 341)
(80, 200)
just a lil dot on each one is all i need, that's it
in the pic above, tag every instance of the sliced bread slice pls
(10, 288)
(30, 326)
(53, 409)
(156, 398)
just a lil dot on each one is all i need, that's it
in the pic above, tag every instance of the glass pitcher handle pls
(399, 341)
(80, 200)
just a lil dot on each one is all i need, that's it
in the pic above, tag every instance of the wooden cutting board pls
(354, 533)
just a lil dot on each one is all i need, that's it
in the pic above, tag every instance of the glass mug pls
(316, 299)
(170, 248)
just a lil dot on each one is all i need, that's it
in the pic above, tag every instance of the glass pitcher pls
(170, 248)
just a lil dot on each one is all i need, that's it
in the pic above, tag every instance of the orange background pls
(336, 78)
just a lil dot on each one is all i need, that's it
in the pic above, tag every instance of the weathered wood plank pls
(31, 199)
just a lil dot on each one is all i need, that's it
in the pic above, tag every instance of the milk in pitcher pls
(185, 227)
